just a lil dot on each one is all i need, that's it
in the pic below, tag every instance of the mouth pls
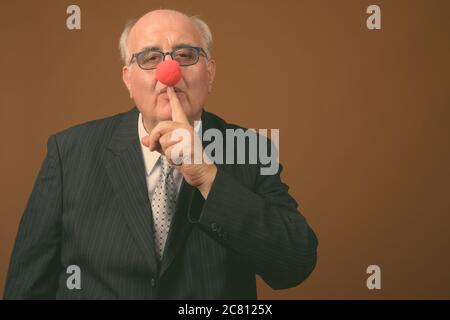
(164, 90)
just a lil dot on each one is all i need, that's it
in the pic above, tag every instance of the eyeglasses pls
(149, 59)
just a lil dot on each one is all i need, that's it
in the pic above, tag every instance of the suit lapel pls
(126, 172)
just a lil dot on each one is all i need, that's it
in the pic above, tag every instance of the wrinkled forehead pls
(164, 32)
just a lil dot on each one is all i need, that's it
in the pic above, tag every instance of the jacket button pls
(153, 282)
(214, 227)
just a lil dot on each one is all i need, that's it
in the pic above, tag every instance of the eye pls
(150, 57)
(185, 54)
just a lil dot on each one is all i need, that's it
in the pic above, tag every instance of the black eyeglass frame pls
(200, 52)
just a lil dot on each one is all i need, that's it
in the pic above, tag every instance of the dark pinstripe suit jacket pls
(90, 207)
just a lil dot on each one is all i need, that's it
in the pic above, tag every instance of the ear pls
(211, 73)
(126, 79)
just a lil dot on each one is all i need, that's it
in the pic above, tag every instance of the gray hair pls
(201, 25)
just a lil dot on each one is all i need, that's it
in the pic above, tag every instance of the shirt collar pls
(151, 157)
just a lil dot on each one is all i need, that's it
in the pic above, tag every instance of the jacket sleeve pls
(35, 262)
(262, 224)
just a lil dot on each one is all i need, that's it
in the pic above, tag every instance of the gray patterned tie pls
(163, 205)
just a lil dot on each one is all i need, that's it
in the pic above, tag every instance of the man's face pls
(167, 30)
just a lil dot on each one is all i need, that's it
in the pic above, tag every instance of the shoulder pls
(212, 120)
(96, 125)
(93, 134)
(231, 130)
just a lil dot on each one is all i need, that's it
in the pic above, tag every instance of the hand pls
(162, 139)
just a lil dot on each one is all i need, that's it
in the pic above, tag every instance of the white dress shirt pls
(152, 166)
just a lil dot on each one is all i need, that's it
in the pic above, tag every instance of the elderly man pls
(111, 215)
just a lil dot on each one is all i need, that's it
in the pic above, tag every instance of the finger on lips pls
(178, 113)
(160, 138)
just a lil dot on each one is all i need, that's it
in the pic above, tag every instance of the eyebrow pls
(178, 46)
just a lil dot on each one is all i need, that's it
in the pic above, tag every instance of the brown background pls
(363, 119)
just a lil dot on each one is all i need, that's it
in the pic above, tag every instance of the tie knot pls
(166, 168)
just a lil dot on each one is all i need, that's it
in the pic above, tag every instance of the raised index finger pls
(178, 114)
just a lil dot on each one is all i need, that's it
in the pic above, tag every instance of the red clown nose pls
(168, 72)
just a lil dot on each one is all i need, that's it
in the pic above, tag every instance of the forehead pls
(163, 31)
